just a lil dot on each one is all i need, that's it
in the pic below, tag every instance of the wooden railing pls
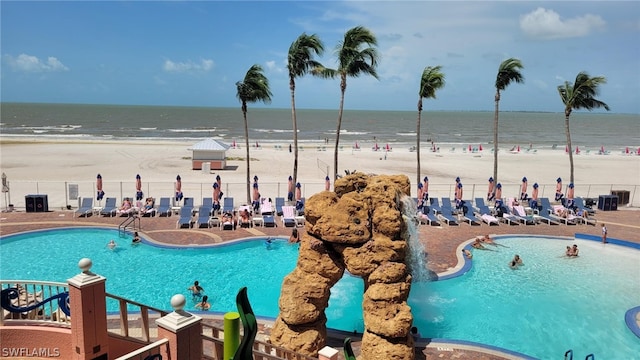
(127, 326)
(213, 346)
(31, 295)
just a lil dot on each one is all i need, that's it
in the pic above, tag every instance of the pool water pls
(549, 305)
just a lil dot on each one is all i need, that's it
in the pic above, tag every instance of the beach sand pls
(37, 166)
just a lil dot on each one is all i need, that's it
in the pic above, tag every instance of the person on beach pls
(604, 234)
(204, 305)
(196, 289)
(523, 190)
(559, 194)
(295, 236)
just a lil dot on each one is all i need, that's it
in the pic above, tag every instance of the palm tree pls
(300, 62)
(354, 59)
(508, 72)
(432, 79)
(254, 88)
(580, 95)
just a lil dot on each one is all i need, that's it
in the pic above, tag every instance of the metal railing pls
(136, 326)
(59, 197)
(213, 346)
(38, 302)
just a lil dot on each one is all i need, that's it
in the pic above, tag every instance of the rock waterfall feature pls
(360, 228)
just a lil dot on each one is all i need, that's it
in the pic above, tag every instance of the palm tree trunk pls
(566, 128)
(246, 144)
(495, 138)
(292, 87)
(343, 87)
(418, 141)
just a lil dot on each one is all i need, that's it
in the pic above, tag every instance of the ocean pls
(75, 121)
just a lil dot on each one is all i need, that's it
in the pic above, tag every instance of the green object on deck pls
(249, 324)
(231, 334)
(348, 352)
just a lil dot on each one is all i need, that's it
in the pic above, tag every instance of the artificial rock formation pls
(360, 228)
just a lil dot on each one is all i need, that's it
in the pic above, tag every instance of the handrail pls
(144, 350)
(570, 353)
(42, 302)
(128, 221)
(590, 356)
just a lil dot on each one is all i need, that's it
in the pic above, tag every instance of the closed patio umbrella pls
(139, 193)
(216, 196)
(219, 182)
(179, 194)
(100, 193)
(256, 194)
(327, 183)
(290, 189)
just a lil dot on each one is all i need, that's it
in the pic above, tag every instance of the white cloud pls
(273, 67)
(31, 64)
(204, 65)
(547, 24)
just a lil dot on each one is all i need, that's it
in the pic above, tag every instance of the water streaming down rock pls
(417, 256)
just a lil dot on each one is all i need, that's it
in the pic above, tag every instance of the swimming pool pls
(546, 307)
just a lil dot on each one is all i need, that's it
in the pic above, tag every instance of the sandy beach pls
(37, 166)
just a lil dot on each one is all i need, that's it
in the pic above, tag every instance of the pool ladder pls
(122, 228)
(569, 356)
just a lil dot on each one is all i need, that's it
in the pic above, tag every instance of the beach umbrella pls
(216, 196)
(602, 149)
(534, 193)
(256, 197)
(420, 192)
(357, 146)
(100, 194)
(498, 191)
(570, 192)
(219, 182)
(290, 189)
(179, 194)
(480, 147)
(234, 145)
(327, 183)
(626, 150)
(577, 150)
(469, 147)
(298, 192)
(139, 193)
(523, 189)
(490, 189)
(518, 148)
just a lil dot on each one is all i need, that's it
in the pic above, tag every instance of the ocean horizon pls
(140, 122)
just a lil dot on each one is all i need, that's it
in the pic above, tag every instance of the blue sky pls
(187, 53)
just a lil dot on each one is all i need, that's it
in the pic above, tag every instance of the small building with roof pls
(209, 151)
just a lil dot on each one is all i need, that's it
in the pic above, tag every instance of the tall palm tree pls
(580, 95)
(356, 55)
(508, 72)
(432, 79)
(254, 88)
(299, 62)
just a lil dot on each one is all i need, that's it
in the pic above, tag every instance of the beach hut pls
(209, 151)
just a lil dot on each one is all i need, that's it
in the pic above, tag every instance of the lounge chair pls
(279, 205)
(149, 212)
(269, 221)
(508, 218)
(435, 205)
(204, 215)
(110, 207)
(189, 203)
(300, 206)
(447, 214)
(469, 216)
(428, 217)
(522, 216)
(165, 206)
(289, 216)
(266, 208)
(570, 219)
(544, 214)
(228, 205)
(186, 216)
(127, 211)
(86, 207)
(579, 204)
(485, 213)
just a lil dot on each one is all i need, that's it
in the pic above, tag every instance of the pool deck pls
(441, 244)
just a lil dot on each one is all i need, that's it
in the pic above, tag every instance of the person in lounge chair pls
(125, 207)
(245, 219)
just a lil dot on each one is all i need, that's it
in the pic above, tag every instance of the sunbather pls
(125, 207)
(245, 219)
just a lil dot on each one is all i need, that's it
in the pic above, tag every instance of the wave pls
(406, 134)
(191, 130)
(148, 128)
(273, 130)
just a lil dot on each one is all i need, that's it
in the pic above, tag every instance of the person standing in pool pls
(196, 289)
(204, 305)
